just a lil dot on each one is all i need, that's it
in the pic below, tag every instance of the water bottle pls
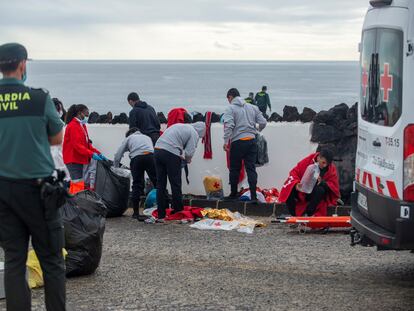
(310, 178)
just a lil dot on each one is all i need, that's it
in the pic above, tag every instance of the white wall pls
(287, 143)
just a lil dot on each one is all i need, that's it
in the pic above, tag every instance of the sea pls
(198, 86)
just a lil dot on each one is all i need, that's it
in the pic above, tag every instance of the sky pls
(185, 29)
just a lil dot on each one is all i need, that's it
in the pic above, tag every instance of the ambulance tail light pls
(409, 163)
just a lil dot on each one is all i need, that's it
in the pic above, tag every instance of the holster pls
(53, 194)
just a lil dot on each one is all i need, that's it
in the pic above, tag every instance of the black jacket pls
(144, 117)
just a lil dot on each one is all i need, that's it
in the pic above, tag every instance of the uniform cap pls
(12, 52)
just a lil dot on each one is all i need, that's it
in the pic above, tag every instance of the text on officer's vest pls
(9, 101)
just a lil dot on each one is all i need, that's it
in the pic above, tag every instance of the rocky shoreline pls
(336, 128)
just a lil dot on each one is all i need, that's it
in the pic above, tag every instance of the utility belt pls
(52, 191)
(29, 182)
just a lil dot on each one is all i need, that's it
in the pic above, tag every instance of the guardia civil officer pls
(29, 125)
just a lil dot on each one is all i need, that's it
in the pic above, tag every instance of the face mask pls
(60, 113)
(85, 120)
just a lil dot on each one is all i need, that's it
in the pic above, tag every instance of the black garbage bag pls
(262, 154)
(84, 225)
(113, 187)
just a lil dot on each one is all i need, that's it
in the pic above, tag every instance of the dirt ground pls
(175, 267)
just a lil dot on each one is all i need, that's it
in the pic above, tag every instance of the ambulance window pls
(381, 76)
(368, 49)
(390, 58)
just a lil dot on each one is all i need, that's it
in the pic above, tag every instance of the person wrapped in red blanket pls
(324, 194)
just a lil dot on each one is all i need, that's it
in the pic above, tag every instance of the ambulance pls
(383, 199)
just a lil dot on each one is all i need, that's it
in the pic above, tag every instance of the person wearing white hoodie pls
(176, 145)
(240, 120)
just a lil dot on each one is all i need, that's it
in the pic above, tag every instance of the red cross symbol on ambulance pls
(386, 82)
(364, 81)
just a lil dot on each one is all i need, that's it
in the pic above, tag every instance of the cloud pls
(184, 28)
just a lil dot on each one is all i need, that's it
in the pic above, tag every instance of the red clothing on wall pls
(295, 176)
(76, 144)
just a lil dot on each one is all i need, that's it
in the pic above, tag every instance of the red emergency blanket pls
(295, 176)
(189, 213)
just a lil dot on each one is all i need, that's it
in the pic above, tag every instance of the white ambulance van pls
(383, 200)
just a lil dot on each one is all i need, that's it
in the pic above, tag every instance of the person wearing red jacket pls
(77, 147)
(324, 194)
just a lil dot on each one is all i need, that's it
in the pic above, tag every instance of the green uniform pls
(262, 101)
(250, 100)
(27, 118)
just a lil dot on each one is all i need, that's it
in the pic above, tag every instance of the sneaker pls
(141, 217)
(152, 220)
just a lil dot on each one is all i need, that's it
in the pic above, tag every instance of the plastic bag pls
(213, 224)
(84, 224)
(213, 185)
(123, 172)
(262, 153)
(34, 271)
(113, 185)
(151, 199)
(309, 178)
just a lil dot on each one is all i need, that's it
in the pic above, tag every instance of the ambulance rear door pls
(379, 161)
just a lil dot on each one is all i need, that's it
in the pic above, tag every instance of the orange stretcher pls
(325, 223)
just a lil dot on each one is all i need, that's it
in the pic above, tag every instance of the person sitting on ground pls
(240, 120)
(78, 150)
(263, 100)
(143, 117)
(250, 99)
(177, 144)
(141, 153)
(324, 194)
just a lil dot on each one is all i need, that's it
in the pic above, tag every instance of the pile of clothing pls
(263, 195)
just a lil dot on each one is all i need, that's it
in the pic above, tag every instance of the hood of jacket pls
(200, 127)
(141, 104)
(238, 101)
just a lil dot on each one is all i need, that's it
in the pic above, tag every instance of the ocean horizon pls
(197, 85)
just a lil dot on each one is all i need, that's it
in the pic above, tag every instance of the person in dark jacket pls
(262, 100)
(143, 117)
(250, 99)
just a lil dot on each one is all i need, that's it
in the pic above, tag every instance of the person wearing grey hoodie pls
(141, 153)
(176, 145)
(240, 120)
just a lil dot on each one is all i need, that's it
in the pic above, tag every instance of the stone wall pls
(336, 128)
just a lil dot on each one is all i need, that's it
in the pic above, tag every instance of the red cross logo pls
(386, 82)
(364, 81)
(216, 185)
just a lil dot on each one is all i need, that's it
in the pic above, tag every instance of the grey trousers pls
(85, 172)
(22, 215)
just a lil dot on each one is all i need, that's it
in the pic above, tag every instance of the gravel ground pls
(174, 267)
